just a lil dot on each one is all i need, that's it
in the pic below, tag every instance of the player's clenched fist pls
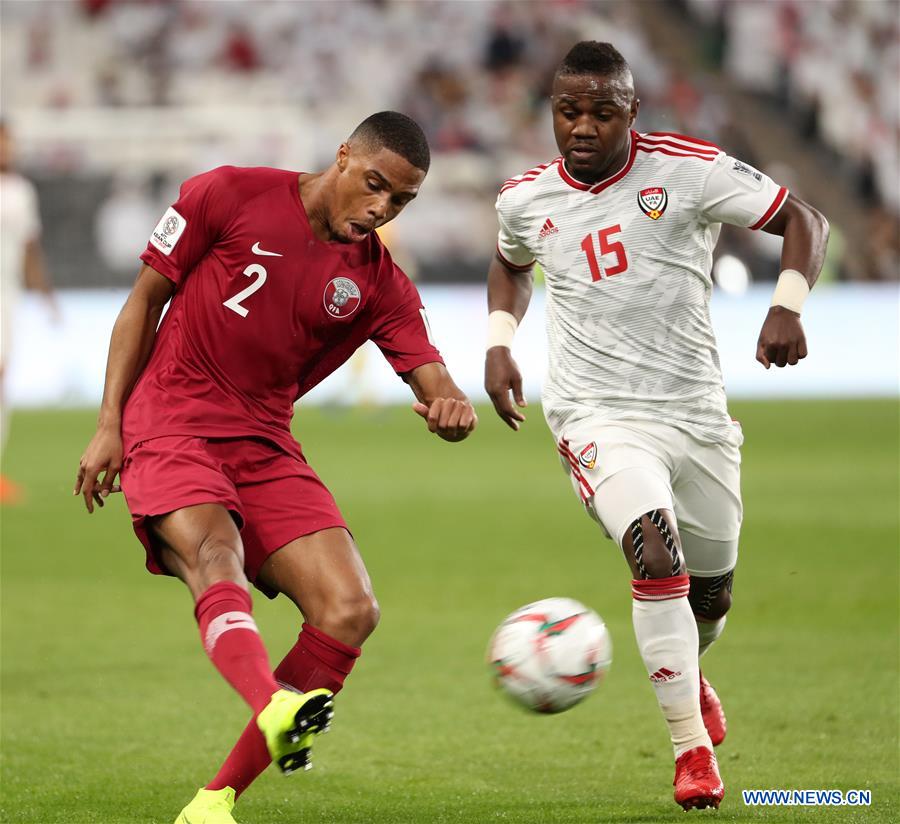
(781, 340)
(449, 418)
(500, 376)
(103, 454)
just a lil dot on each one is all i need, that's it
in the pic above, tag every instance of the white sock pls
(708, 632)
(667, 639)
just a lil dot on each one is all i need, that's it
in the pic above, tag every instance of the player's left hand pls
(781, 340)
(449, 418)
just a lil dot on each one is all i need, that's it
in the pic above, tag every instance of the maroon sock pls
(232, 642)
(316, 660)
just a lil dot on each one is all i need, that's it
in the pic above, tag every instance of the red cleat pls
(713, 714)
(697, 781)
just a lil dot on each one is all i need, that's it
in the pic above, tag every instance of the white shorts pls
(624, 469)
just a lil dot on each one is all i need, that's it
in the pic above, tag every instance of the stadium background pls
(114, 103)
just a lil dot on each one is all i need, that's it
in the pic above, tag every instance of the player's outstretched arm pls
(129, 350)
(441, 402)
(509, 293)
(805, 232)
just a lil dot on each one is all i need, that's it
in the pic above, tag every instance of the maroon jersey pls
(262, 311)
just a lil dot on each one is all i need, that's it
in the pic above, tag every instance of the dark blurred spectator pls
(240, 53)
(505, 46)
(881, 248)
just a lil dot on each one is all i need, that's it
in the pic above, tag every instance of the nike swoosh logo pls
(230, 621)
(257, 251)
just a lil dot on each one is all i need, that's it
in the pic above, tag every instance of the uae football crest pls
(341, 297)
(653, 201)
(588, 456)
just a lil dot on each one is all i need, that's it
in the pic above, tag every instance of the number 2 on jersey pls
(234, 304)
(607, 247)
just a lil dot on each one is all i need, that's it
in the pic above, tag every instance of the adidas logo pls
(662, 675)
(547, 229)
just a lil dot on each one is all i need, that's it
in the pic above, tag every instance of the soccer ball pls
(551, 654)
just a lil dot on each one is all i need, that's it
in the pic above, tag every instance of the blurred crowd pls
(834, 67)
(476, 75)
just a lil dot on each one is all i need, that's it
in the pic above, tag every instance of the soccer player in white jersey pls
(21, 267)
(623, 225)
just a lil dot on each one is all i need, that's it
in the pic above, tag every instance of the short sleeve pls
(191, 225)
(401, 330)
(737, 193)
(510, 250)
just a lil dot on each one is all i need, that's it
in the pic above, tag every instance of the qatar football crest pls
(341, 297)
(653, 201)
(588, 456)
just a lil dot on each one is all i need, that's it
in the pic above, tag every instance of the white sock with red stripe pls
(667, 638)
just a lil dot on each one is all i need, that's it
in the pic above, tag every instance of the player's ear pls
(343, 156)
(635, 105)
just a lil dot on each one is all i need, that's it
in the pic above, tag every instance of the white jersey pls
(20, 223)
(627, 267)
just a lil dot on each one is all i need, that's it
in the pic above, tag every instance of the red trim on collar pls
(596, 188)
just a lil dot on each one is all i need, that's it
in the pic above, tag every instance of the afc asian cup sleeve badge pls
(168, 231)
(341, 298)
(588, 456)
(653, 201)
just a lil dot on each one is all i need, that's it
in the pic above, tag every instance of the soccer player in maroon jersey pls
(275, 278)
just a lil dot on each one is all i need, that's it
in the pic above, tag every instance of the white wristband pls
(791, 291)
(501, 329)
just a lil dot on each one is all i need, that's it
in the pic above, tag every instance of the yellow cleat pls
(209, 807)
(290, 721)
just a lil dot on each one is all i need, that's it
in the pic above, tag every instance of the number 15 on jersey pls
(608, 246)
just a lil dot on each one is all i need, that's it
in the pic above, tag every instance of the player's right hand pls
(103, 455)
(501, 375)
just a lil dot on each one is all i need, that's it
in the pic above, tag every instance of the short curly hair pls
(397, 133)
(592, 57)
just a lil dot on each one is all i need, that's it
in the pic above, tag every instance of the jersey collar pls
(596, 188)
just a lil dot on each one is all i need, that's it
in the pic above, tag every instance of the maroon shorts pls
(273, 497)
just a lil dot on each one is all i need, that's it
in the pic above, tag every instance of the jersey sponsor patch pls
(341, 297)
(588, 456)
(168, 231)
(653, 201)
(747, 175)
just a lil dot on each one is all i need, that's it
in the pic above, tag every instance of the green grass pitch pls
(111, 712)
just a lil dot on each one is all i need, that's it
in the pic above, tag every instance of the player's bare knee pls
(654, 546)
(359, 617)
(220, 556)
(710, 598)
(349, 618)
(657, 560)
(719, 605)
